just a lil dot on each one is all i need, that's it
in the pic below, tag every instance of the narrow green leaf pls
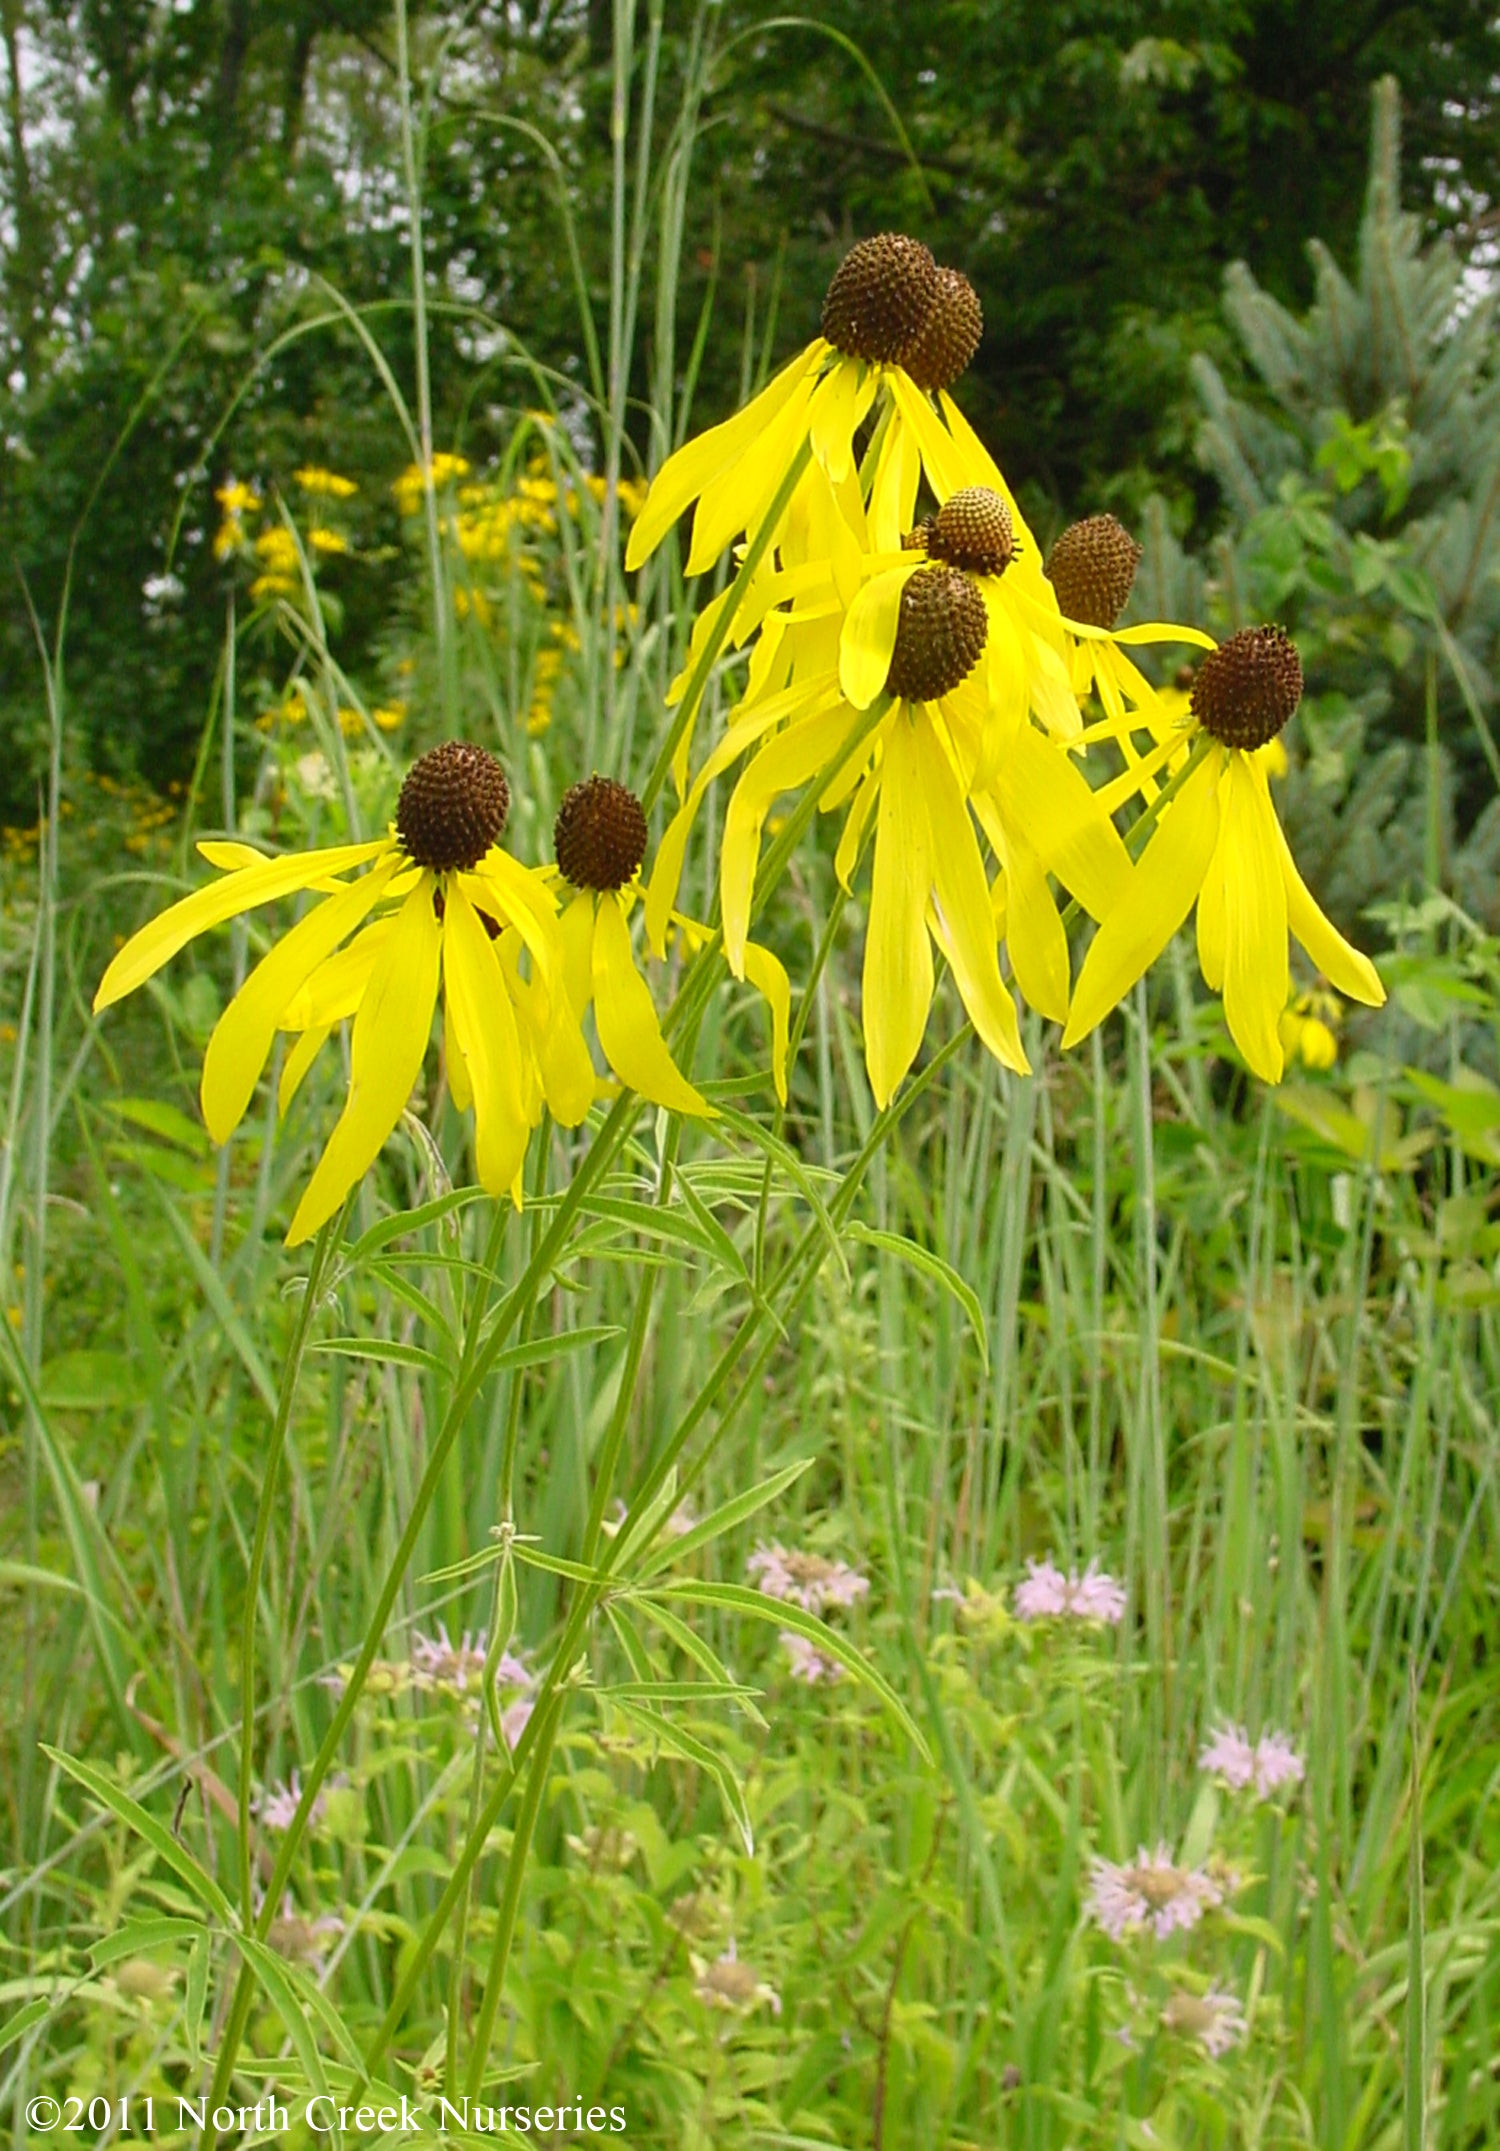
(134, 1939)
(737, 1598)
(930, 1266)
(723, 1519)
(146, 1826)
(692, 1750)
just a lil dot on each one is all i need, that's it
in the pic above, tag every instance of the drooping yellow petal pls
(145, 953)
(1257, 980)
(843, 396)
(489, 1044)
(784, 763)
(852, 836)
(736, 498)
(386, 1052)
(297, 1063)
(459, 1088)
(242, 1037)
(869, 634)
(1210, 921)
(1343, 965)
(961, 895)
(1163, 886)
(767, 973)
(978, 467)
(1026, 915)
(802, 697)
(228, 854)
(893, 495)
(519, 896)
(626, 1018)
(337, 987)
(576, 932)
(897, 979)
(698, 462)
(1048, 797)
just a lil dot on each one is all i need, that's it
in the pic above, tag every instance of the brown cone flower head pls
(940, 634)
(452, 806)
(600, 834)
(1246, 690)
(881, 295)
(1091, 568)
(972, 530)
(950, 335)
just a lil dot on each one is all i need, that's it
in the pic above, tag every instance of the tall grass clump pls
(773, 1532)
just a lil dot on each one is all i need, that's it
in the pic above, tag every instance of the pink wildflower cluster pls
(806, 1662)
(1048, 1595)
(806, 1579)
(1268, 1764)
(1153, 1892)
(1215, 2019)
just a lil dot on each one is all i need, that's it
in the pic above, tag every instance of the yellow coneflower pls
(893, 320)
(448, 891)
(1219, 845)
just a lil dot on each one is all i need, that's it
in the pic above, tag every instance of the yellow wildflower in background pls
(237, 499)
(323, 539)
(389, 716)
(410, 488)
(323, 484)
(1308, 1028)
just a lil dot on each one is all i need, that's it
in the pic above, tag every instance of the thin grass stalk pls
(413, 183)
(327, 1240)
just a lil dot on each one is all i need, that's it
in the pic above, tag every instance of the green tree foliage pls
(182, 187)
(1360, 470)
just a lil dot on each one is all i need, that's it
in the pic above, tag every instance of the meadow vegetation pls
(965, 1622)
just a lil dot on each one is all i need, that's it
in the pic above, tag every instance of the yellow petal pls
(1256, 976)
(980, 468)
(843, 396)
(893, 496)
(453, 1061)
(1161, 893)
(846, 858)
(736, 497)
(337, 987)
(1343, 965)
(1035, 934)
(1048, 797)
(519, 896)
(297, 1063)
(145, 953)
(576, 931)
(489, 1045)
(767, 973)
(962, 898)
(698, 462)
(897, 983)
(242, 1037)
(789, 760)
(869, 634)
(626, 1019)
(1211, 931)
(390, 1039)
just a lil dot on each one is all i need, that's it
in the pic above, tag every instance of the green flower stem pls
(515, 1875)
(693, 694)
(291, 1371)
(474, 1367)
(811, 1252)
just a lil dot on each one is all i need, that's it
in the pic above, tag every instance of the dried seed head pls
(1092, 567)
(1246, 690)
(940, 634)
(972, 530)
(452, 806)
(949, 337)
(881, 295)
(600, 834)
